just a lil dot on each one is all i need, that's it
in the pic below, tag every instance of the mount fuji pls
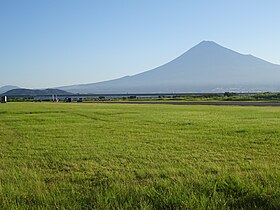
(207, 67)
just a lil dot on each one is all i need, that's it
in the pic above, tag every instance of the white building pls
(4, 99)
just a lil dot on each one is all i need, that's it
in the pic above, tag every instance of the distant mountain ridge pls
(6, 88)
(33, 92)
(207, 67)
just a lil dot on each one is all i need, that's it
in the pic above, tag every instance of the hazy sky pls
(61, 42)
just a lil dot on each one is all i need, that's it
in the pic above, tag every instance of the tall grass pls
(105, 156)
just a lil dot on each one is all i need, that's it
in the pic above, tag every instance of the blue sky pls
(62, 42)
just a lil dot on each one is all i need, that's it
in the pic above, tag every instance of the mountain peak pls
(208, 44)
(208, 49)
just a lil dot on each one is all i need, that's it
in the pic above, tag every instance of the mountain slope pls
(6, 88)
(207, 67)
(32, 92)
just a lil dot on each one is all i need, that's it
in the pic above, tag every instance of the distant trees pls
(229, 94)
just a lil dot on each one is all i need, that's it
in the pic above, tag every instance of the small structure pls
(54, 98)
(4, 99)
(132, 97)
(68, 100)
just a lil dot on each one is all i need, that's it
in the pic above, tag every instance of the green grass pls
(108, 156)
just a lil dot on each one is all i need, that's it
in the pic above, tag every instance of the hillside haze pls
(34, 92)
(207, 67)
(6, 88)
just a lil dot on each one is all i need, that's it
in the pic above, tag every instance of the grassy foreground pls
(106, 156)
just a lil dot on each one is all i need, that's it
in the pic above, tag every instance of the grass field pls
(109, 156)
